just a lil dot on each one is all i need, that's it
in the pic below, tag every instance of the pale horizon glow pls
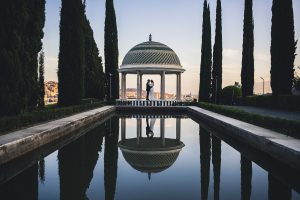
(178, 24)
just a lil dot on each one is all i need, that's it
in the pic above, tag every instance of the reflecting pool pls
(152, 157)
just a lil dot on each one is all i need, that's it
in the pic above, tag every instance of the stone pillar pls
(138, 130)
(178, 86)
(162, 85)
(123, 129)
(178, 128)
(138, 82)
(123, 86)
(141, 85)
(162, 131)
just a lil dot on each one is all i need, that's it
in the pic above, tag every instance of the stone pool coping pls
(18, 143)
(279, 146)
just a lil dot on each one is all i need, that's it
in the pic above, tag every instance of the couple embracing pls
(150, 90)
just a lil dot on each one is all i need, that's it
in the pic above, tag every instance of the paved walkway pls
(270, 112)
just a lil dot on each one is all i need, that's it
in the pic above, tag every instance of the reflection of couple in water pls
(150, 90)
(149, 128)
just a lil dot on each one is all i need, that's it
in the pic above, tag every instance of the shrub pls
(50, 113)
(230, 94)
(287, 127)
(284, 102)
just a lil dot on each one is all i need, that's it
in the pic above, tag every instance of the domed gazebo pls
(151, 58)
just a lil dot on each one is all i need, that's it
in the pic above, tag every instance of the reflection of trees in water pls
(23, 186)
(42, 170)
(205, 145)
(216, 160)
(246, 176)
(111, 158)
(278, 190)
(76, 164)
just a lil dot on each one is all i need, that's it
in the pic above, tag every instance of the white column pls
(138, 81)
(123, 128)
(162, 131)
(123, 85)
(162, 85)
(179, 88)
(178, 128)
(138, 130)
(141, 85)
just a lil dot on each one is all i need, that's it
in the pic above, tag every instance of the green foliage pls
(38, 116)
(296, 81)
(94, 76)
(217, 57)
(111, 52)
(41, 102)
(247, 74)
(230, 94)
(71, 53)
(284, 102)
(287, 127)
(21, 32)
(283, 47)
(206, 56)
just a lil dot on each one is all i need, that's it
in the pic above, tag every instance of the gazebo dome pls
(150, 58)
(149, 156)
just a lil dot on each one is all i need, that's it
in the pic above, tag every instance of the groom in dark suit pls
(148, 89)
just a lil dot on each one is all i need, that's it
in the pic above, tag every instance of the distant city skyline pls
(178, 24)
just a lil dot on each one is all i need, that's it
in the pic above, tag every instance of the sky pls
(178, 24)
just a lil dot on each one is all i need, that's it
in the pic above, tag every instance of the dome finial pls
(150, 37)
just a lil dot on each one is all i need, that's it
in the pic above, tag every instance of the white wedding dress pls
(151, 93)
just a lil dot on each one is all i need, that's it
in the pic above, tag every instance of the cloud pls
(231, 52)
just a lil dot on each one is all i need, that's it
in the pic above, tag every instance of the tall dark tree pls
(217, 57)
(111, 158)
(33, 34)
(41, 102)
(71, 53)
(283, 47)
(111, 52)
(94, 76)
(247, 74)
(205, 152)
(20, 41)
(246, 178)
(216, 160)
(206, 63)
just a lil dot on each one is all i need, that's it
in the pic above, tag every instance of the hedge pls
(38, 116)
(287, 127)
(284, 102)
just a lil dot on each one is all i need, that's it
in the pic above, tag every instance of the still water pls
(147, 158)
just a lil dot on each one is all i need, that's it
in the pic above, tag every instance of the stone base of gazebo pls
(143, 102)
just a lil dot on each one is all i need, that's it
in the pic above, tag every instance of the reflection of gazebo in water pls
(150, 58)
(150, 154)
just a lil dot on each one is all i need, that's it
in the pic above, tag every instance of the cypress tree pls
(21, 32)
(41, 103)
(111, 52)
(283, 47)
(33, 33)
(217, 57)
(10, 61)
(247, 73)
(205, 68)
(94, 76)
(71, 53)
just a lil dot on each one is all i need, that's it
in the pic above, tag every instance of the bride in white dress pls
(151, 92)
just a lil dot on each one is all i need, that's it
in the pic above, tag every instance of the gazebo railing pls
(143, 102)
